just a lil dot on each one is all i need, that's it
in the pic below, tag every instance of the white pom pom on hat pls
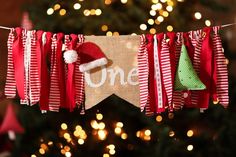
(70, 56)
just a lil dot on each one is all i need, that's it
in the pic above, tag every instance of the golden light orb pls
(208, 23)
(169, 28)
(159, 118)
(169, 8)
(152, 13)
(143, 27)
(119, 124)
(190, 133)
(117, 130)
(109, 33)
(50, 11)
(77, 6)
(80, 141)
(190, 147)
(198, 15)
(56, 6)
(151, 21)
(153, 31)
(62, 12)
(124, 136)
(124, 1)
(103, 28)
(64, 126)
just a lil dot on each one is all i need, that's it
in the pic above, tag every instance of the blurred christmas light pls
(98, 12)
(67, 148)
(104, 28)
(160, 18)
(152, 13)
(64, 126)
(107, 2)
(170, 3)
(159, 6)
(198, 15)
(101, 125)
(50, 143)
(143, 27)
(208, 23)
(226, 62)
(63, 151)
(50, 11)
(94, 124)
(124, 1)
(119, 124)
(109, 33)
(86, 12)
(180, 0)
(44, 146)
(133, 34)
(190, 147)
(62, 12)
(111, 146)
(66, 136)
(92, 11)
(163, 1)
(169, 8)
(68, 154)
(152, 31)
(154, 7)
(42, 151)
(147, 138)
(155, 1)
(157, 22)
(190, 133)
(124, 136)
(102, 134)
(77, 6)
(138, 133)
(169, 28)
(33, 155)
(116, 33)
(78, 127)
(99, 116)
(117, 130)
(159, 118)
(171, 133)
(80, 141)
(147, 132)
(151, 21)
(106, 155)
(56, 6)
(112, 151)
(165, 14)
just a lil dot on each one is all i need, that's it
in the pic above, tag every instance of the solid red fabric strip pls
(206, 69)
(18, 61)
(70, 85)
(45, 79)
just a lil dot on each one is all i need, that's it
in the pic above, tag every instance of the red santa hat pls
(91, 56)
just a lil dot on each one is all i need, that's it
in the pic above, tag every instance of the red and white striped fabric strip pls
(196, 40)
(10, 86)
(54, 96)
(158, 77)
(143, 73)
(26, 41)
(178, 99)
(79, 80)
(34, 81)
(166, 72)
(222, 72)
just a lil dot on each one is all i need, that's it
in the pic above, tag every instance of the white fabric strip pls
(157, 73)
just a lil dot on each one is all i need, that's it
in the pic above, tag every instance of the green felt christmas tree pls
(186, 77)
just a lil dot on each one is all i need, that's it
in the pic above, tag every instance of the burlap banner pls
(120, 76)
